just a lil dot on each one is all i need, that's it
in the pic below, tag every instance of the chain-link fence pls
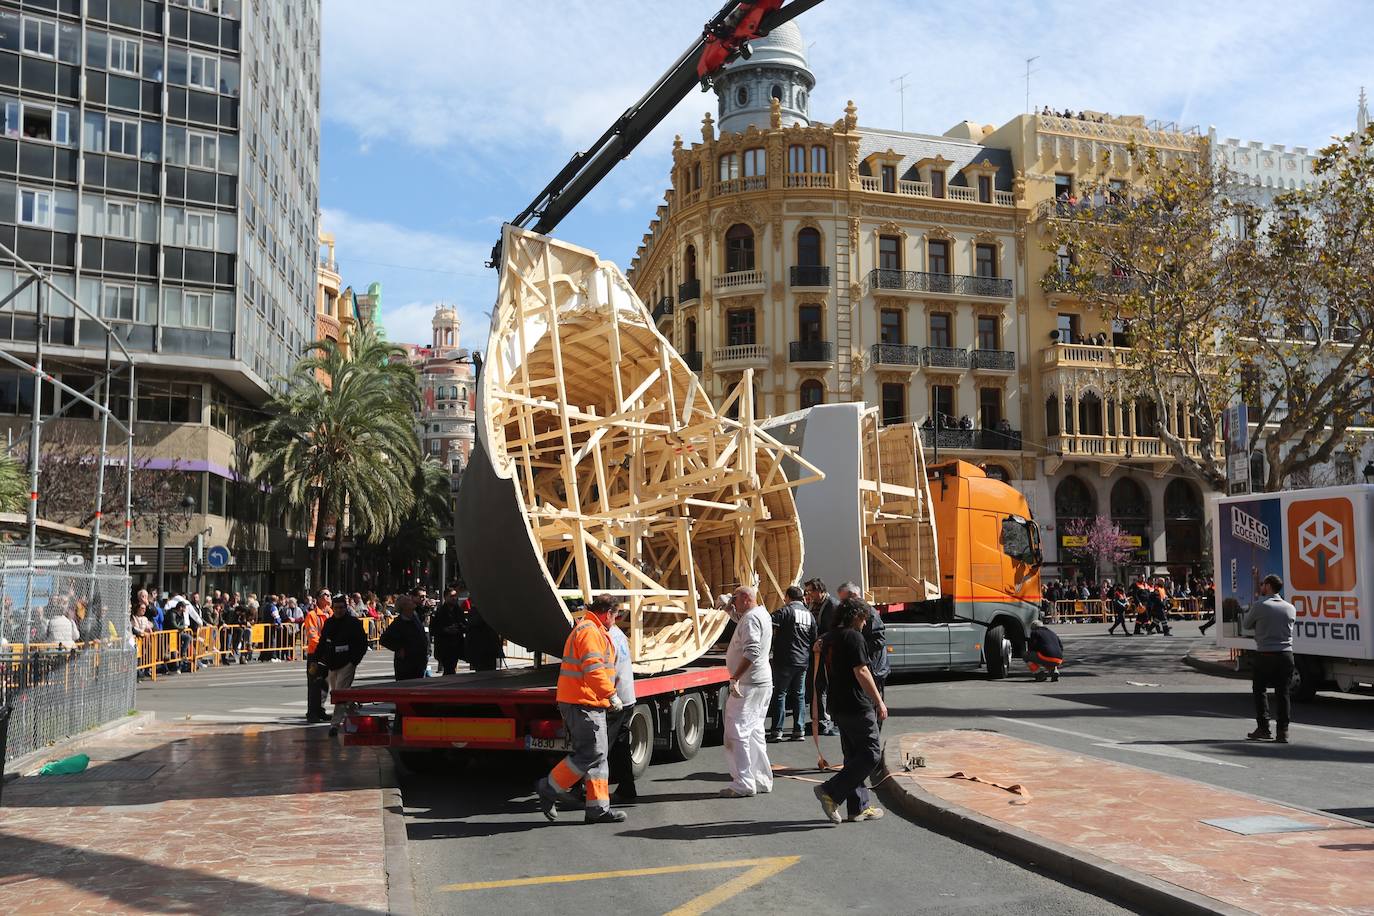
(66, 657)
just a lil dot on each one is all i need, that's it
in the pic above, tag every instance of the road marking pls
(1347, 734)
(267, 711)
(1157, 750)
(759, 870)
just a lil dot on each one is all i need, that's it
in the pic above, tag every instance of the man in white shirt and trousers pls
(751, 689)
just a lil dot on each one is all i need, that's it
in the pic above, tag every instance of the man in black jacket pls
(1044, 652)
(407, 639)
(343, 643)
(446, 626)
(823, 609)
(794, 633)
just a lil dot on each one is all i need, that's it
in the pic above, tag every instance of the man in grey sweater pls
(1271, 620)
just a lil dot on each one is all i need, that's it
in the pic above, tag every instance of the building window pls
(820, 160)
(1051, 416)
(124, 55)
(812, 393)
(937, 183)
(121, 219)
(691, 336)
(121, 137)
(985, 259)
(776, 92)
(696, 176)
(1068, 328)
(40, 37)
(889, 252)
(985, 189)
(1089, 414)
(796, 159)
(942, 403)
(196, 310)
(35, 207)
(808, 248)
(204, 72)
(739, 327)
(169, 402)
(889, 176)
(809, 324)
(941, 333)
(989, 332)
(689, 263)
(200, 230)
(434, 446)
(739, 248)
(117, 302)
(201, 150)
(938, 253)
(894, 403)
(37, 122)
(755, 162)
(1063, 186)
(742, 96)
(890, 326)
(990, 407)
(729, 167)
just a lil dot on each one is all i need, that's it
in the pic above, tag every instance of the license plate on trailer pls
(546, 744)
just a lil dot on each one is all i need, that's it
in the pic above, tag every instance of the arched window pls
(820, 159)
(776, 92)
(812, 393)
(1129, 502)
(1089, 414)
(809, 248)
(1074, 499)
(1181, 500)
(739, 248)
(997, 472)
(1182, 524)
(796, 159)
(689, 263)
(691, 336)
(1146, 419)
(1068, 415)
(742, 96)
(1052, 416)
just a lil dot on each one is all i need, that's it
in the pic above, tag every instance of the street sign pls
(1235, 430)
(217, 557)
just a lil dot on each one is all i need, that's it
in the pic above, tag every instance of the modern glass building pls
(162, 160)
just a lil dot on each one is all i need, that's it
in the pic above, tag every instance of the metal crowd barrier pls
(1097, 610)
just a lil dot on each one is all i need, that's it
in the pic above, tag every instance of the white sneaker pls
(871, 813)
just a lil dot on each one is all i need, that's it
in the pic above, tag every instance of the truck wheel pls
(641, 739)
(689, 726)
(1307, 679)
(995, 652)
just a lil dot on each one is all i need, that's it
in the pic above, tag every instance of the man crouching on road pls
(1044, 652)
(751, 687)
(586, 689)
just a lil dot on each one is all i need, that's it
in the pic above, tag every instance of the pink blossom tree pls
(1100, 541)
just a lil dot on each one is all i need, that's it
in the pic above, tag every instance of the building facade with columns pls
(842, 262)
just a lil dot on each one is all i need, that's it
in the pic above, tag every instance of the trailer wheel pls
(1307, 679)
(641, 739)
(689, 726)
(996, 652)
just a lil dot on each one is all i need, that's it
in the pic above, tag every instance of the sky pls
(441, 119)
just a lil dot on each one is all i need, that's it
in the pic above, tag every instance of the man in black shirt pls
(406, 637)
(875, 637)
(823, 608)
(857, 708)
(794, 633)
(343, 643)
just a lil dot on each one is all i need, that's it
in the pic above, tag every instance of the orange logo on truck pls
(1321, 545)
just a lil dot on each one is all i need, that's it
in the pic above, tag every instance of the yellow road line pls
(766, 869)
(777, 864)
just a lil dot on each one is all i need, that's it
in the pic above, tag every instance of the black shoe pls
(624, 794)
(830, 731)
(1055, 676)
(315, 720)
(773, 737)
(333, 731)
(1260, 734)
(797, 736)
(1282, 736)
(609, 816)
(548, 798)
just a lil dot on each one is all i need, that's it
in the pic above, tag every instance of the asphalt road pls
(1126, 699)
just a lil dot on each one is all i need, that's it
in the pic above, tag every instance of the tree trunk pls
(336, 563)
(317, 556)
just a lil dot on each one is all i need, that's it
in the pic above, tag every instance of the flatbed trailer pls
(516, 710)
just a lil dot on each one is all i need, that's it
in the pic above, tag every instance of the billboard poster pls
(1323, 574)
(1252, 542)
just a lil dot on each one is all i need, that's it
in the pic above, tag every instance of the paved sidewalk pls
(215, 818)
(1136, 834)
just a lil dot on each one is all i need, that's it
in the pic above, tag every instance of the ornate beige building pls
(843, 262)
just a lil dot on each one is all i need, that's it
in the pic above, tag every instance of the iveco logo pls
(1321, 541)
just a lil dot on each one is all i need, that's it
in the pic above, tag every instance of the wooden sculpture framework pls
(630, 481)
(899, 523)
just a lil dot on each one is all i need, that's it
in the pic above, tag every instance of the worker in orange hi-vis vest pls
(586, 689)
(315, 681)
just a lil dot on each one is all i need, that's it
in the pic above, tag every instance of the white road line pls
(1347, 734)
(1157, 750)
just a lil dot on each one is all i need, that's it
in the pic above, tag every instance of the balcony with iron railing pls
(740, 356)
(886, 355)
(739, 281)
(983, 440)
(915, 281)
(811, 351)
(689, 291)
(814, 276)
(664, 309)
(693, 360)
(904, 188)
(1059, 281)
(993, 360)
(945, 357)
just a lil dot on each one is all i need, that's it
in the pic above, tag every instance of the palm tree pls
(344, 442)
(14, 484)
(428, 520)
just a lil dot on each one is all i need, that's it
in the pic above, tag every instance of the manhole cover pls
(1262, 823)
(119, 771)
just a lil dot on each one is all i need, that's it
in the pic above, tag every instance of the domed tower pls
(446, 324)
(776, 69)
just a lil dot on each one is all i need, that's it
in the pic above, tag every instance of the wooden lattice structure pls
(899, 524)
(602, 466)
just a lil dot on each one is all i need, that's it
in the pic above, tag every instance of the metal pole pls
(161, 545)
(35, 425)
(100, 469)
(128, 470)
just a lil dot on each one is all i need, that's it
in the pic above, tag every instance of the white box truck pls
(1321, 541)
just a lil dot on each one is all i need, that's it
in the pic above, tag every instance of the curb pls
(31, 761)
(1079, 868)
(1216, 668)
(400, 885)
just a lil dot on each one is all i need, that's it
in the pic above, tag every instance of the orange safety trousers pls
(586, 728)
(1038, 660)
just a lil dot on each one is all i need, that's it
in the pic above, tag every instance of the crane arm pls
(725, 37)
